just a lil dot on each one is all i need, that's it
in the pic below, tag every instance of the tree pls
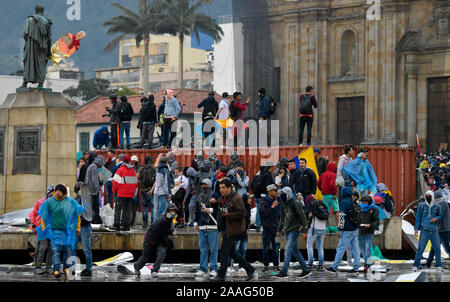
(149, 19)
(184, 16)
(88, 89)
(125, 91)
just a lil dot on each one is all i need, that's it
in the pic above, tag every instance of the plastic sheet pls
(16, 218)
(362, 173)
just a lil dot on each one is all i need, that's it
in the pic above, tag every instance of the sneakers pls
(212, 274)
(305, 274)
(320, 267)
(144, 226)
(250, 274)
(124, 229)
(39, 271)
(353, 271)
(276, 268)
(190, 224)
(113, 228)
(229, 271)
(200, 273)
(439, 269)
(330, 270)
(266, 269)
(281, 274)
(66, 271)
(57, 274)
(310, 266)
(415, 269)
(86, 273)
(155, 274)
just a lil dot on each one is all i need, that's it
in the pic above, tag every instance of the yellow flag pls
(308, 154)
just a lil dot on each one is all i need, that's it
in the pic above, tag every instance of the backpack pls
(234, 112)
(321, 211)
(147, 177)
(355, 215)
(306, 104)
(388, 202)
(272, 106)
(257, 184)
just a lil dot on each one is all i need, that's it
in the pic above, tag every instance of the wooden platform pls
(391, 239)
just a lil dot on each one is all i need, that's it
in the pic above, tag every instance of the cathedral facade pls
(381, 74)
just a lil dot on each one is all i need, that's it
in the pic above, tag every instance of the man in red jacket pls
(236, 110)
(125, 184)
(327, 185)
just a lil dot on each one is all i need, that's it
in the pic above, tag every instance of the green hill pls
(93, 15)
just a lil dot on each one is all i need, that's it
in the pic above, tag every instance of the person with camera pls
(126, 114)
(282, 179)
(114, 115)
(206, 225)
(149, 118)
(232, 226)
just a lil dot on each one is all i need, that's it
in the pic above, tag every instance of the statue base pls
(33, 89)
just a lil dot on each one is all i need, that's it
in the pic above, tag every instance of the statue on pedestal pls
(37, 50)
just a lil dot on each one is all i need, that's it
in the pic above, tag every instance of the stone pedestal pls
(37, 147)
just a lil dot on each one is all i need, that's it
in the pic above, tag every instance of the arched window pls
(348, 53)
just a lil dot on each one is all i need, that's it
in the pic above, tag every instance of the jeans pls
(318, 235)
(43, 249)
(268, 237)
(258, 217)
(191, 207)
(291, 248)
(167, 131)
(348, 238)
(146, 200)
(241, 246)
(124, 127)
(57, 250)
(147, 252)
(122, 212)
(444, 236)
(148, 129)
(426, 236)
(108, 189)
(305, 120)
(85, 239)
(160, 204)
(209, 243)
(227, 250)
(365, 245)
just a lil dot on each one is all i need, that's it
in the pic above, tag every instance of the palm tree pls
(184, 16)
(149, 19)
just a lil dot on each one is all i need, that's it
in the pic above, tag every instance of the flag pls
(226, 124)
(418, 144)
(308, 154)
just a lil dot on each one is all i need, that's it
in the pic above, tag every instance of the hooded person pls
(125, 184)
(43, 246)
(206, 224)
(157, 240)
(235, 161)
(193, 188)
(101, 138)
(83, 170)
(444, 225)
(161, 187)
(361, 171)
(94, 187)
(292, 223)
(327, 185)
(428, 217)
(215, 162)
(60, 223)
(173, 164)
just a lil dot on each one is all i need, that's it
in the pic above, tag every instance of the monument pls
(37, 128)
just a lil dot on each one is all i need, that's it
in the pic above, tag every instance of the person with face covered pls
(157, 240)
(241, 181)
(193, 189)
(215, 162)
(206, 225)
(235, 161)
(428, 217)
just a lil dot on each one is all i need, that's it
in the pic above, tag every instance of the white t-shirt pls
(225, 111)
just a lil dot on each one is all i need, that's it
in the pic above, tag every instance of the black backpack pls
(306, 105)
(388, 203)
(234, 112)
(147, 177)
(257, 184)
(321, 211)
(355, 215)
(272, 106)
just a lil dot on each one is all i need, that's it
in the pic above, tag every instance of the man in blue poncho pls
(361, 171)
(61, 224)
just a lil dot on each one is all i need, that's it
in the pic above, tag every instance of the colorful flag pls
(226, 124)
(308, 154)
(418, 144)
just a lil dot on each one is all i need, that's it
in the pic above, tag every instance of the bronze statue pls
(37, 50)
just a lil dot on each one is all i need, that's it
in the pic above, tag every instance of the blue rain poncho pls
(365, 208)
(362, 173)
(60, 218)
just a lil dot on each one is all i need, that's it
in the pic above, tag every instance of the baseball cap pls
(271, 187)
(134, 158)
(126, 158)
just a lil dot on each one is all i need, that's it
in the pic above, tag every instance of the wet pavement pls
(185, 273)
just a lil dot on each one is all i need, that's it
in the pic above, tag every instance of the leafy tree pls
(88, 89)
(126, 92)
(184, 15)
(149, 19)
